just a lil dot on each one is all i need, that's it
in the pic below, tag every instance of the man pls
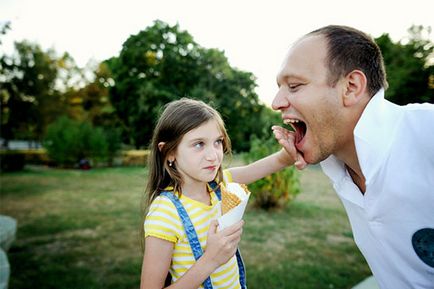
(379, 156)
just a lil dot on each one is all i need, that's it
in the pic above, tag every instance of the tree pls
(163, 63)
(409, 66)
(29, 99)
(231, 91)
(90, 100)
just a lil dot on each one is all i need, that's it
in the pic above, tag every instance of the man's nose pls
(281, 100)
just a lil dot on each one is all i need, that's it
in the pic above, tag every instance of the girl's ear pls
(170, 158)
(355, 87)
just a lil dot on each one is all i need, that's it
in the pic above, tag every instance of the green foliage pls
(409, 66)
(113, 138)
(68, 141)
(277, 190)
(163, 63)
(29, 100)
(37, 87)
(93, 144)
(62, 141)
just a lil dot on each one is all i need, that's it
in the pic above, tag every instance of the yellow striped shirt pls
(163, 222)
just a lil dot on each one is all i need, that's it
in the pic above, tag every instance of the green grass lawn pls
(80, 229)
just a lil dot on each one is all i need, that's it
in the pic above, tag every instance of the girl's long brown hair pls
(178, 118)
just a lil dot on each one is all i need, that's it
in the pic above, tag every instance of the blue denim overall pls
(193, 239)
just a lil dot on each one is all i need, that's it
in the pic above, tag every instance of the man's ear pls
(354, 87)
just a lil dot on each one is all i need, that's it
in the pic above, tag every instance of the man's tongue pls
(300, 131)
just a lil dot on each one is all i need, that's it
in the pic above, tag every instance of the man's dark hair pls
(350, 49)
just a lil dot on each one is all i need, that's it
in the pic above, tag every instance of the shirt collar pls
(372, 136)
(213, 197)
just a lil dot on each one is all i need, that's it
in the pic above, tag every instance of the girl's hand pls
(221, 246)
(286, 139)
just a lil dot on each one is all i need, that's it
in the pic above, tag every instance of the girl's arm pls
(249, 173)
(221, 246)
(156, 262)
(287, 156)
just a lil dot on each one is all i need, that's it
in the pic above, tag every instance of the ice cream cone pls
(230, 200)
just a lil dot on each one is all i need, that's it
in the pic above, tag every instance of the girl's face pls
(200, 153)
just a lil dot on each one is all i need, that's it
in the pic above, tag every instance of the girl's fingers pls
(235, 237)
(212, 228)
(233, 229)
(286, 139)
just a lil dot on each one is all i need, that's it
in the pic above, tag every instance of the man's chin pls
(310, 159)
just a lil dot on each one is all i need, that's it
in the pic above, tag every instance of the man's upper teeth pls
(287, 121)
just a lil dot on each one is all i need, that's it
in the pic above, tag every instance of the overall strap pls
(242, 270)
(190, 232)
(216, 188)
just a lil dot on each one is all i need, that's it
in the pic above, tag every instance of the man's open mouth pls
(299, 127)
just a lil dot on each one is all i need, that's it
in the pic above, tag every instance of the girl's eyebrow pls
(202, 138)
(196, 139)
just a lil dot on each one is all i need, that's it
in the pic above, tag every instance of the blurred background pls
(82, 84)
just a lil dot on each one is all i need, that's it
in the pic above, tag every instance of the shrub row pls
(68, 141)
(14, 160)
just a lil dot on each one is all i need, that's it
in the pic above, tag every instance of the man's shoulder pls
(418, 111)
(418, 117)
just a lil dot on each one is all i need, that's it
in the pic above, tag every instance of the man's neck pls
(358, 178)
(351, 161)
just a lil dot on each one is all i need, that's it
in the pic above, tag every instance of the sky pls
(254, 35)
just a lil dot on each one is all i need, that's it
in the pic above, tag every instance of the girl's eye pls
(198, 145)
(219, 142)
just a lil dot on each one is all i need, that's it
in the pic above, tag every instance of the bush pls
(277, 190)
(94, 145)
(62, 141)
(68, 141)
(113, 137)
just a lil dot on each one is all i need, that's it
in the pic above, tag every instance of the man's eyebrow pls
(288, 77)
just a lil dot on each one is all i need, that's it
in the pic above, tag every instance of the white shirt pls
(395, 148)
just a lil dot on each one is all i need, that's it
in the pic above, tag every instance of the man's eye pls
(294, 86)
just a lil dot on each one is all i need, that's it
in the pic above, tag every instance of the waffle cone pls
(230, 200)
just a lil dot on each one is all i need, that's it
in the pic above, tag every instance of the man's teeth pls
(288, 121)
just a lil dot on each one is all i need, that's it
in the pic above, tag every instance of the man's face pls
(308, 103)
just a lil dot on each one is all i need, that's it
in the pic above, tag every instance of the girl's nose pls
(281, 100)
(212, 154)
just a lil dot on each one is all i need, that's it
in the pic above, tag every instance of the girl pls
(185, 164)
